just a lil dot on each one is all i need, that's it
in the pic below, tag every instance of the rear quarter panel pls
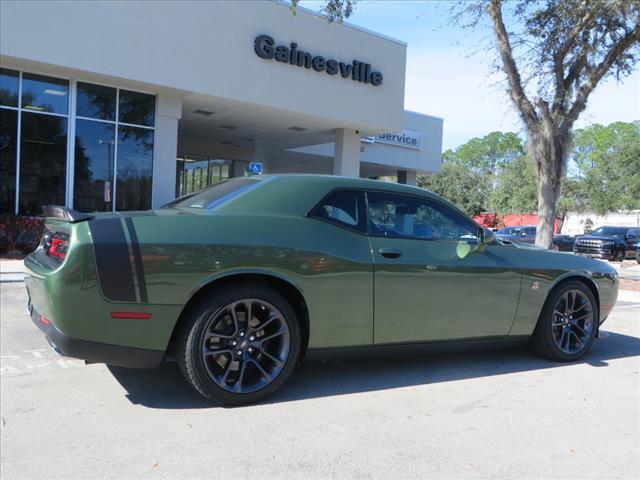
(331, 267)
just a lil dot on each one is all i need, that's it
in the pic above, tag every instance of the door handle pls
(390, 252)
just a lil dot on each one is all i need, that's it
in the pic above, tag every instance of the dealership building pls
(126, 105)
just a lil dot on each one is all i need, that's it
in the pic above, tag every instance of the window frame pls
(428, 201)
(71, 128)
(363, 203)
(360, 228)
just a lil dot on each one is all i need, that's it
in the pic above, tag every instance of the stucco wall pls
(207, 47)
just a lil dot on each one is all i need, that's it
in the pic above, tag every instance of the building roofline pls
(287, 4)
(423, 114)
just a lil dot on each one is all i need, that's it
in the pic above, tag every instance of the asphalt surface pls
(500, 413)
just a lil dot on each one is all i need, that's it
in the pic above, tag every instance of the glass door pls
(93, 175)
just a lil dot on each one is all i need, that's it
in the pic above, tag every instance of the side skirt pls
(420, 348)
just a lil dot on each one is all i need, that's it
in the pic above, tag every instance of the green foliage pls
(494, 174)
(489, 153)
(606, 162)
(516, 189)
(334, 10)
(464, 187)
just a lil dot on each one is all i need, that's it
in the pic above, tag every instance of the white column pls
(165, 149)
(407, 177)
(346, 161)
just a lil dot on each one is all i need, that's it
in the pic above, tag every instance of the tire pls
(619, 255)
(555, 248)
(550, 327)
(264, 361)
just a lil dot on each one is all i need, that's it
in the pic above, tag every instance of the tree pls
(515, 190)
(489, 153)
(335, 10)
(553, 54)
(465, 188)
(607, 160)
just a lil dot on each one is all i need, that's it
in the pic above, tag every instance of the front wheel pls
(567, 323)
(239, 344)
(619, 256)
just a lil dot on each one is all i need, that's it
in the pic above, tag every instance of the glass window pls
(96, 101)
(609, 232)
(343, 208)
(9, 80)
(134, 168)
(136, 108)
(410, 217)
(93, 174)
(8, 144)
(43, 159)
(45, 94)
(215, 195)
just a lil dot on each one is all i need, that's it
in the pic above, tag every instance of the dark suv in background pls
(611, 243)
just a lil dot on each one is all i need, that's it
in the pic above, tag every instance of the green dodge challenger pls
(237, 282)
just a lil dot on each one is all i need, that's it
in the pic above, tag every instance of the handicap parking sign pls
(255, 168)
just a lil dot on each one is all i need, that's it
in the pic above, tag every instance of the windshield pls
(215, 195)
(609, 231)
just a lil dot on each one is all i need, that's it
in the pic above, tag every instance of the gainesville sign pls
(358, 71)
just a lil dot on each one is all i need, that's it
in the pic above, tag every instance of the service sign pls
(406, 139)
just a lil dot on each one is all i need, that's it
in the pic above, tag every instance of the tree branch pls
(616, 51)
(515, 90)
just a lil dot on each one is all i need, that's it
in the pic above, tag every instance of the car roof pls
(298, 193)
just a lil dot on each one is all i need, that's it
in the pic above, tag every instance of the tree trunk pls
(548, 148)
(548, 193)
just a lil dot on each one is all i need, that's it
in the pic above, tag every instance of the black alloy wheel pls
(239, 344)
(245, 345)
(572, 322)
(568, 323)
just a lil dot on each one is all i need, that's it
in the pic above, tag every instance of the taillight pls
(56, 245)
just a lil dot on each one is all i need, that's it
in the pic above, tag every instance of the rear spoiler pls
(64, 213)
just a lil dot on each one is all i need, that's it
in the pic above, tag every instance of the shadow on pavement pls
(165, 388)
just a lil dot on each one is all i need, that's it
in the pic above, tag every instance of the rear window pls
(215, 195)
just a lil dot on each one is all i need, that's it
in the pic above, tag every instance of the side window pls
(402, 216)
(343, 208)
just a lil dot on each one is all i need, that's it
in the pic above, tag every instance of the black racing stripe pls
(137, 257)
(112, 260)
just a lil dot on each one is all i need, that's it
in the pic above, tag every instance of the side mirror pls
(485, 237)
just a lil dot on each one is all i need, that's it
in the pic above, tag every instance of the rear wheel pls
(567, 323)
(239, 344)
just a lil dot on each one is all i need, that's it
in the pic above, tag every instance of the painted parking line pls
(29, 361)
(11, 277)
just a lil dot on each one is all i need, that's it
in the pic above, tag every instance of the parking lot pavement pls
(485, 414)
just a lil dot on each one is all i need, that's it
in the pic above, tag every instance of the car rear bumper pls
(94, 352)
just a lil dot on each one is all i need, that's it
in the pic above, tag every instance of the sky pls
(448, 74)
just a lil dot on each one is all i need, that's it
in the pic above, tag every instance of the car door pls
(632, 236)
(529, 235)
(430, 282)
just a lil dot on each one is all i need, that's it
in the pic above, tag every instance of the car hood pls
(528, 246)
(607, 238)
